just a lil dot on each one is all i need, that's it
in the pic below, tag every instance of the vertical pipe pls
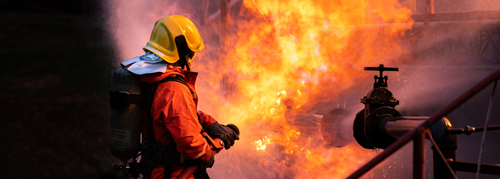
(486, 128)
(429, 9)
(419, 155)
(447, 143)
(413, 6)
(431, 6)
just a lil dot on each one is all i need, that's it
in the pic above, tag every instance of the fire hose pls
(217, 146)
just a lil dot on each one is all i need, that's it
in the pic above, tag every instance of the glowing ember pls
(261, 143)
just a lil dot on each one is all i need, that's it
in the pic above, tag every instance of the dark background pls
(56, 67)
(57, 61)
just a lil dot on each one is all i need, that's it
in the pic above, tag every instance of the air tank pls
(125, 114)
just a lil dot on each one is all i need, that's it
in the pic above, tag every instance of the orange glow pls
(279, 60)
(289, 53)
(261, 143)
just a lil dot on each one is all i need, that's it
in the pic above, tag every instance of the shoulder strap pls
(151, 89)
(177, 78)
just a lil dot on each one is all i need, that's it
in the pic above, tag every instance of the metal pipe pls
(457, 16)
(468, 129)
(492, 99)
(443, 158)
(479, 129)
(419, 155)
(493, 169)
(399, 126)
(446, 144)
(430, 4)
(433, 119)
(429, 10)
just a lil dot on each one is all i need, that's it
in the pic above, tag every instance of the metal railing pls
(418, 134)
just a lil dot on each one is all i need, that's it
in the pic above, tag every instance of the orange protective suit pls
(175, 118)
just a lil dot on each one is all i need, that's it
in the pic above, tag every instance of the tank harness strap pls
(179, 79)
(147, 147)
(164, 155)
(122, 99)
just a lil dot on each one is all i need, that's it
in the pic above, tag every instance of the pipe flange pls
(376, 137)
(359, 131)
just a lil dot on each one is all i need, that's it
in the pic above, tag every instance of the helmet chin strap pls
(185, 63)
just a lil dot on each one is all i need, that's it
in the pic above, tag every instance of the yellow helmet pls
(171, 35)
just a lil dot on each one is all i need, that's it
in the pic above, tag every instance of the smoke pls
(230, 87)
(447, 59)
(330, 78)
(131, 22)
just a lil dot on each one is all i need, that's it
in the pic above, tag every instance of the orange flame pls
(280, 59)
(290, 53)
(261, 143)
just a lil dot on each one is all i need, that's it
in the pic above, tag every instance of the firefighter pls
(172, 137)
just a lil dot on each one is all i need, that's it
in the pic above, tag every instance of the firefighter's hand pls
(226, 134)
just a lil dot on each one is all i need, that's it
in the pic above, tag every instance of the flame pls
(261, 143)
(311, 49)
(279, 59)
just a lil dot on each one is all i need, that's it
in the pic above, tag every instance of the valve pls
(381, 80)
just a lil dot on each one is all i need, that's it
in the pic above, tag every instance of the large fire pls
(277, 59)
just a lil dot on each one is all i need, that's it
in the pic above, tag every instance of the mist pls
(436, 64)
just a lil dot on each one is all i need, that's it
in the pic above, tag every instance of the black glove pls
(226, 134)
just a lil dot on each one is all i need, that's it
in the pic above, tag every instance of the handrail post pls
(419, 155)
